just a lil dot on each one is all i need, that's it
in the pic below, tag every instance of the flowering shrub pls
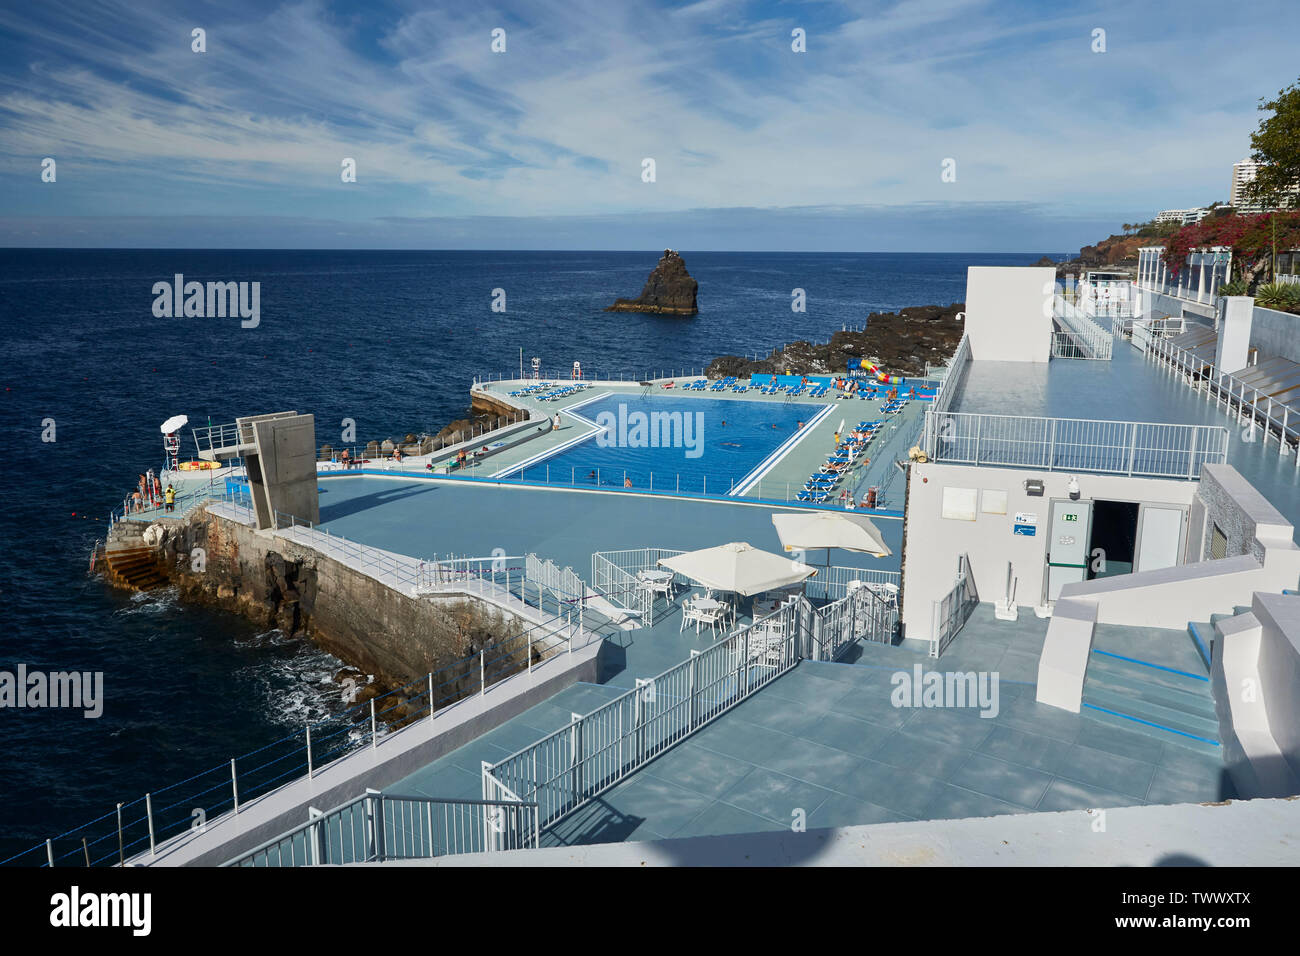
(1250, 238)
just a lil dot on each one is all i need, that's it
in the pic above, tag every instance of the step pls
(1148, 672)
(1196, 702)
(1197, 722)
(1167, 735)
(1202, 635)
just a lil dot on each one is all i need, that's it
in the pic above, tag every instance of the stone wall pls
(276, 583)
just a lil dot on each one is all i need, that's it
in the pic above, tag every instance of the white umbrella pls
(174, 424)
(830, 529)
(738, 567)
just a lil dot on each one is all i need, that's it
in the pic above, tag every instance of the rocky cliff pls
(902, 343)
(670, 290)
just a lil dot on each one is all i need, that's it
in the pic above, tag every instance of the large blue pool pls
(663, 443)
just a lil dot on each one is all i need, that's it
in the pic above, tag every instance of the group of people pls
(149, 493)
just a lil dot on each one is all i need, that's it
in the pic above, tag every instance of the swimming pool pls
(663, 443)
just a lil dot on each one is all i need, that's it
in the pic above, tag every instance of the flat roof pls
(1129, 387)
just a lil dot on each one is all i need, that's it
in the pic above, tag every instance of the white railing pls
(1074, 444)
(379, 827)
(1083, 338)
(866, 613)
(615, 577)
(1261, 413)
(835, 583)
(950, 613)
(948, 388)
(565, 770)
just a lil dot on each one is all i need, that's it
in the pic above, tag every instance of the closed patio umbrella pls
(738, 567)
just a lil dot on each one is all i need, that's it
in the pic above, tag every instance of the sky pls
(1052, 133)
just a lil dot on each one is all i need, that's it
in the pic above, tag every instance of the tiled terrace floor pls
(826, 739)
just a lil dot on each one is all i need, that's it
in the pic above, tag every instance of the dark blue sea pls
(389, 339)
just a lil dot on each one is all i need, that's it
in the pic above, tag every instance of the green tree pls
(1276, 145)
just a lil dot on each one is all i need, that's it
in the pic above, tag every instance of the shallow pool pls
(663, 443)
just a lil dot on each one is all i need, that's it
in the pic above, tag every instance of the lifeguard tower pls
(171, 432)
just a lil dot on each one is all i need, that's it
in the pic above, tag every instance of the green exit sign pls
(1071, 517)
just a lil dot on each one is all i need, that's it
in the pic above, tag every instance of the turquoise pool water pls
(662, 443)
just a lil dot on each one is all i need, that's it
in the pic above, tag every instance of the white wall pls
(933, 542)
(1009, 312)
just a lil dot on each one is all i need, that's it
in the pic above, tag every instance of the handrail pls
(412, 837)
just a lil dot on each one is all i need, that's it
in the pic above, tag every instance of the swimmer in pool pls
(731, 444)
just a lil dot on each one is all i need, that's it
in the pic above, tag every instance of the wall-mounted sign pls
(1026, 524)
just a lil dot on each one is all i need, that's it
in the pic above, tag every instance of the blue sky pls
(755, 146)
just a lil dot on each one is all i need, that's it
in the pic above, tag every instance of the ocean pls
(390, 340)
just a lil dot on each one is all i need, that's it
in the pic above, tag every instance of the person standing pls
(170, 497)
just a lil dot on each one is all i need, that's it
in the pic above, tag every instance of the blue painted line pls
(1150, 723)
(1195, 631)
(1159, 667)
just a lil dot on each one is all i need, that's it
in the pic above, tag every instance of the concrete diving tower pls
(279, 455)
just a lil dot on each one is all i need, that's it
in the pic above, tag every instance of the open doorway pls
(1112, 544)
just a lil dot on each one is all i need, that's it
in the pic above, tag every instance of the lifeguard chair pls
(537, 368)
(577, 371)
(172, 441)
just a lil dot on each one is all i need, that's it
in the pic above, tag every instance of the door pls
(1160, 537)
(1067, 545)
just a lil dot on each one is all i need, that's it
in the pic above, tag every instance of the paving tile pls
(813, 763)
(1008, 782)
(1066, 794)
(954, 803)
(742, 740)
(1118, 740)
(721, 818)
(774, 795)
(922, 754)
(1174, 786)
(894, 788)
(841, 810)
(849, 734)
(1028, 750)
(699, 769)
(1109, 771)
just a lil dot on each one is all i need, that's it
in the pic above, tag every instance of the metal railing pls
(378, 827)
(865, 613)
(835, 583)
(211, 439)
(424, 445)
(136, 826)
(950, 614)
(1245, 402)
(951, 383)
(1082, 337)
(1074, 444)
(566, 769)
(614, 577)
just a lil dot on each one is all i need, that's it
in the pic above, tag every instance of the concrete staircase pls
(134, 568)
(1169, 704)
(1205, 633)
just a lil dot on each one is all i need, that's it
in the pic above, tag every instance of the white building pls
(1243, 172)
(1182, 216)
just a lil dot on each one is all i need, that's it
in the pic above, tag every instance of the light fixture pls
(1073, 488)
(1034, 487)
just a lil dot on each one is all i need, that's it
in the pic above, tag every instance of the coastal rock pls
(901, 343)
(670, 290)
